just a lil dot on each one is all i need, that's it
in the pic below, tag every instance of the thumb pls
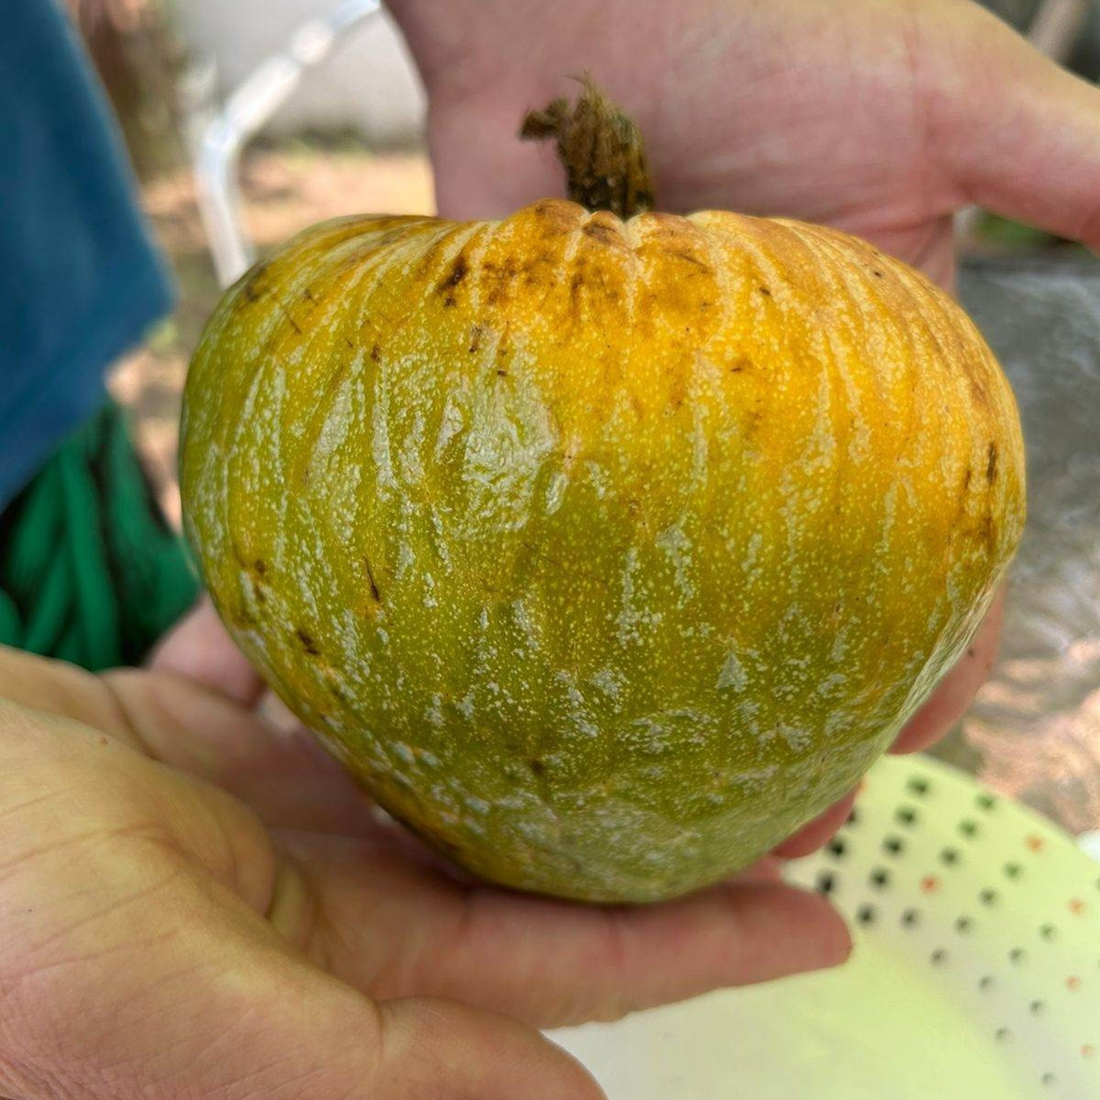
(1019, 135)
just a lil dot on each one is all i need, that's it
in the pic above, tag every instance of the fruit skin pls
(604, 554)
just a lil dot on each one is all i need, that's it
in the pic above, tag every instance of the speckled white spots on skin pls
(434, 713)
(635, 614)
(752, 551)
(555, 492)
(677, 548)
(798, 739)
(451, 423)
(610, 681)
(475, 488)
(830, 683)
(732, 675)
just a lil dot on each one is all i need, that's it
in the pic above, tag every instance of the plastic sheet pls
(1035, 727)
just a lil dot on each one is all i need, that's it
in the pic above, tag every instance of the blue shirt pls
(79, 280)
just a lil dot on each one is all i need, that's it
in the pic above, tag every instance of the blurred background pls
(349, 138)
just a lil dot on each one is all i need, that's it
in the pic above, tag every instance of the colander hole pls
(1013, 870)
(1017, 956)
(988, 897)
(939, 957)
(985, 802)
(963, 924)
(853, 817)
(950, 856)
(985, 982)
(906, 816)
(866, 914)
(1049, 1079)
(1002, 1034)
(1036, 1008)
(826, 882)
(968, 827)
(919, 786)
(880, 878)
(894, 845)
(910, 918)
(1048, 932)
(837, 847)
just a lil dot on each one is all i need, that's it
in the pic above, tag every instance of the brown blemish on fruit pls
(307, 642)
(459, 270)
(601, 231)
(689, 258)
(741, 363)
(497, 278)
(251, 290)
(991, 464)
(375, 352)
(987, 533)
(556, 217)
(537, 767)
(375, 592)
(476, 333)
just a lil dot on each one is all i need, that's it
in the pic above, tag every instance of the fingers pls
(1015, 132)
(811, 837)
(553, 963)
(956, 690)
(284, 774)
(200, 648)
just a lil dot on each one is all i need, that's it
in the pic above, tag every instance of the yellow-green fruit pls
(604, 553)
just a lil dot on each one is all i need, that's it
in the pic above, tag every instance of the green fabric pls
(89, 570)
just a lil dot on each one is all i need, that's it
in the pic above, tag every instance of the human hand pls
(879, 117)
(194, 904)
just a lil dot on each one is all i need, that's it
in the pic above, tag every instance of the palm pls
(280, 823)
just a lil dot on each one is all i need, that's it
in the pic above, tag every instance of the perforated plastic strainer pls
(976, 972)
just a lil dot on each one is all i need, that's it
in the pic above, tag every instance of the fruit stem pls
(601, 149)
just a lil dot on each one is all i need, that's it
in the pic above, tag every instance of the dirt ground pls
(285, 190)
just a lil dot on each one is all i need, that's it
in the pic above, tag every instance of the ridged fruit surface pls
(605, 554)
